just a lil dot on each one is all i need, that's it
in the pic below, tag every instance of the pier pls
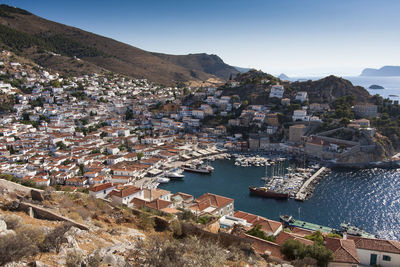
(304, 190)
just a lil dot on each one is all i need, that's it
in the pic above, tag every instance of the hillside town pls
(112, 137)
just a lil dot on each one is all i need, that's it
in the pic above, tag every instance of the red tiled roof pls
(100, 187)
(283, 236)
(390, 246)
(261, 246)
(214, 200)
(126, 191)
(267, 225)
(343, 250)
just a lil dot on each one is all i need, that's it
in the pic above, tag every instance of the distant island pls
(283, 76)
(375, 86)
(384, 71)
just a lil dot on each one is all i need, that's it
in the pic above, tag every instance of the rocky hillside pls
(52, 228)
(54, 45)
(326, 90)
(252, 86)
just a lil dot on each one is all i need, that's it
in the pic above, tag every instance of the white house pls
(101, 190)
(125, 195)
(302, 96)
(385, 253)
(300, 115)
(277, 91)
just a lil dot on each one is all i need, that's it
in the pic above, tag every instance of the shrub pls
(145, 221)
(74, 258)
(188, 252)
(94, 259)
(12, 221)
(55, 238)
(176, 228)
(24, 243)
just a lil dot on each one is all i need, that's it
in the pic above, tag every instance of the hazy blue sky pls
(297, 37)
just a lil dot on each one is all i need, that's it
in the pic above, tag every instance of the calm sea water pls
(391, 84)
(369, 198)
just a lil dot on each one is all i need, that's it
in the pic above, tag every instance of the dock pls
(304, 190)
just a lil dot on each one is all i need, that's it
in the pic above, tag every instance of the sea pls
(369, 199)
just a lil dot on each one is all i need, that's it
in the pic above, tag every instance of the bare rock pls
(36, 195)
(37, 264)
(3, 226)
(30, 212)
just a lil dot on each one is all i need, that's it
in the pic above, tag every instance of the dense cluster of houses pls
(106, 132)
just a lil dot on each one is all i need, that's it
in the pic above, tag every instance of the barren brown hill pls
(40, 36)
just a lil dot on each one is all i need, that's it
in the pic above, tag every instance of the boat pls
(288, 220)
(174, 174)
(265, 192)
(162, 180)
(204, 169)
(355, 231)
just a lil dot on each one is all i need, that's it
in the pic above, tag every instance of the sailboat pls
(264, 191)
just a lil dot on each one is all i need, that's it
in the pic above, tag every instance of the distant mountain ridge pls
(242, 70)
(34, 37)
(384, 71)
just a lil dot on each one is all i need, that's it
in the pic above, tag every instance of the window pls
(386, 258)
(104, 191)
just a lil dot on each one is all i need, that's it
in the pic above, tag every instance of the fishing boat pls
(288, 220)
(355, 231)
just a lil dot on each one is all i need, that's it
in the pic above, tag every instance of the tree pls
(293, 249)
(257, 232)
(316, 237)
(128, 114)
(61, 145)
(320, 253)
(140, 155)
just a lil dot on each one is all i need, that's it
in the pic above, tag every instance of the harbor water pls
(369, 199)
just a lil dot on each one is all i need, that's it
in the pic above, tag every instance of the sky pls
(295, 37)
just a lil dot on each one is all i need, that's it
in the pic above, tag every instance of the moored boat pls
(174, 175)
(162, 180)
(355, 231)
(291, 222)
(204, 169)
(265, 192)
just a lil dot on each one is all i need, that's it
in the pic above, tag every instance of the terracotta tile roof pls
(301, 231)
(184, 196)
(343, 250)
(261, 246)
(390, 246)
(158, 204)
(213, 200)
(100, 187)
(267, 225)
(126, 191)
(283, 236)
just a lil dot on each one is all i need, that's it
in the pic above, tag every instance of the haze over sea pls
(366, 198)
(391, 84)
